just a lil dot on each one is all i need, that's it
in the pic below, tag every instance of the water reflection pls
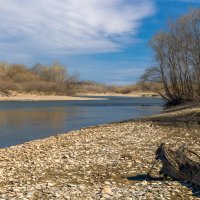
(24, 121)
(55, 117)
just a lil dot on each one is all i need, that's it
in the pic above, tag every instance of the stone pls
(107, 190)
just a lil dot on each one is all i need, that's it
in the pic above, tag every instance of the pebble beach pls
(103, 162)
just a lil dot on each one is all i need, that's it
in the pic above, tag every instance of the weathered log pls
(179, 164)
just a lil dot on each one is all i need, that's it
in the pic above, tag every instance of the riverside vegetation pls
(54, 79)
(177, 56)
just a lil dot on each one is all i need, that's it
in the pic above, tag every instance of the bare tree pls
(177, 53)
(151, 74)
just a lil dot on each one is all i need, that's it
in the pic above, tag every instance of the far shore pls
(32, 97)
(99, 96)
(132, 94)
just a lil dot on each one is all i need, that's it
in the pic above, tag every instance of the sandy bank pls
(133, 94)
(102, 162)
(188, 115)
(32, 97)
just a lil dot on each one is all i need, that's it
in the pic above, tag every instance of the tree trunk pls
(180, 164)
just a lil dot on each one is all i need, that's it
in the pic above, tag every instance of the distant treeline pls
(177, 54)
(55, 79)
(94, 87)
(48, 79)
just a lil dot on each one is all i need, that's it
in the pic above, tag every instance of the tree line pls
(177, 56)
(48, 79)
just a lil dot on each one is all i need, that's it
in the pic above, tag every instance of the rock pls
(144, 183)
(107, 183)
(107, 190)
(129, 164)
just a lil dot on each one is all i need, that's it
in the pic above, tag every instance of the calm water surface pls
(28, 120)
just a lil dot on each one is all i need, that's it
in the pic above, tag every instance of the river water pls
(22, 121)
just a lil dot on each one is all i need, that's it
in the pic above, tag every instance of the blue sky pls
(104, 40)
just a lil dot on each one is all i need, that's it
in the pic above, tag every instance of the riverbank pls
(132, 94)
(34, 97)
(14, 96)
(187, 114)
(102, 162)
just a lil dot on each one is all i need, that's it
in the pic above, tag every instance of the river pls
(22, 121)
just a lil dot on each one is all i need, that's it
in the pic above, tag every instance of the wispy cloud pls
(190, 1)
(69, 26)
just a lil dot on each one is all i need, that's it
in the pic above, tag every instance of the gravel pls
(102, 162)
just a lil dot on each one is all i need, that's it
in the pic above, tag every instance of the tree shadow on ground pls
(143, 177)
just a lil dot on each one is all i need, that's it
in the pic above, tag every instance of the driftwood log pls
(181, 164)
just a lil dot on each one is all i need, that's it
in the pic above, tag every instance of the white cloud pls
(192, 1)
(69, 26)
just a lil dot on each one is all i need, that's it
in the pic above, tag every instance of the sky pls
(103, 40)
